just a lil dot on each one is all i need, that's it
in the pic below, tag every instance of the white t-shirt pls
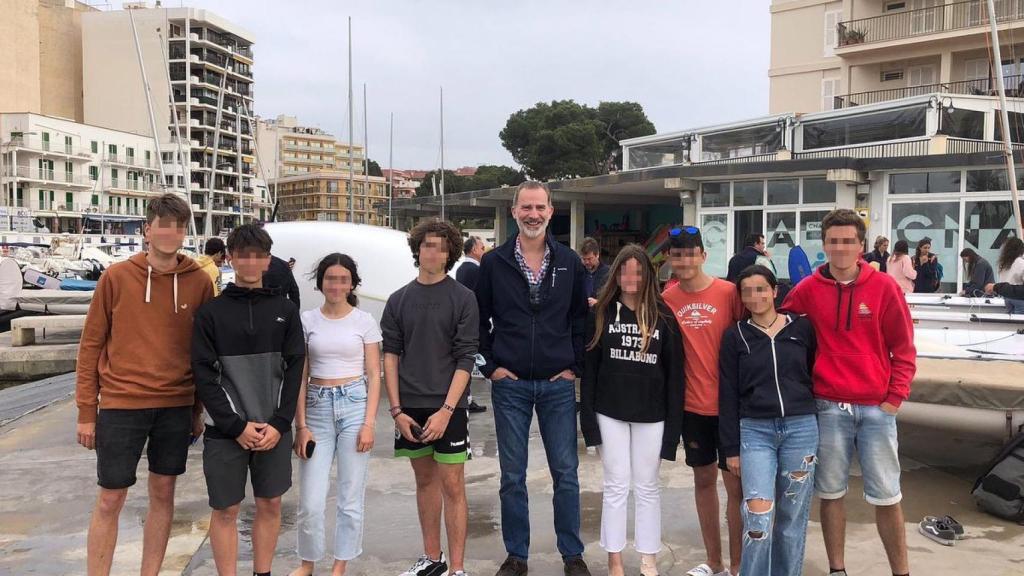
(336, 347)
(1015, 275)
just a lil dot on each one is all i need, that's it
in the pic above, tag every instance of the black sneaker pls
(476, 408)
(576, 567)
(427, 567)
(512, 567)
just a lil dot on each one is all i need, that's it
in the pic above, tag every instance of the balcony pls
(48, 148)
(59, 177)
(126, 160)
(134, 185)
(980, 87)
(925, 21)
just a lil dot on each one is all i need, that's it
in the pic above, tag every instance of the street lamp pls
(3, 189)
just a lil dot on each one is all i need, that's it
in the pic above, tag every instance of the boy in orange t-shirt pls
(705, 307)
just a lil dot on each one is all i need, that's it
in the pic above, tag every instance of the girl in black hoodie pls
(768, 425)
(631, 401)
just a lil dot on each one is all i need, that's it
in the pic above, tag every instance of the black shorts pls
(226, 465)
(121, 435)
(700, 440)
(451, 448)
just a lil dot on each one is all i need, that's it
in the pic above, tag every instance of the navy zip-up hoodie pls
(761, 379)
(533, 342)
(247, 359)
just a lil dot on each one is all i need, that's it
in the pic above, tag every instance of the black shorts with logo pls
(451, 448)
(700, 440)
(226, 465)
(121, 434)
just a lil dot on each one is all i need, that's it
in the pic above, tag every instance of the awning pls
(112, 218)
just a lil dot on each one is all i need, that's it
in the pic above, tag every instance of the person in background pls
(632, 402)
(901, 267)
(211, 260)
(979, 272)
(467, 274)
(595, 272)
(880, 254)
(928, 268)
(753, 248)
(768, 425)
(279, 277)
(1011, 271)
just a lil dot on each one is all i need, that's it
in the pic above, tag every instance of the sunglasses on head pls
(679, 230)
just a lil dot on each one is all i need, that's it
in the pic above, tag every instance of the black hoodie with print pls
(622, 382)
(247, 358)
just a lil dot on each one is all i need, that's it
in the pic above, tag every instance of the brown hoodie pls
(136, 342)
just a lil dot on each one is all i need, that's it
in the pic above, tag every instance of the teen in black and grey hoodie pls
(631, 400)
(247, 359)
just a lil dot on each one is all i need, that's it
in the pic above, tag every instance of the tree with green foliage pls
(489, 176)
(565, 139)
(374, 169)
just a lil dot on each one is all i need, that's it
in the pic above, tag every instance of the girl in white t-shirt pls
(341, 387)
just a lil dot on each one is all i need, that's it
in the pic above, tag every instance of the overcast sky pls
(689, 63)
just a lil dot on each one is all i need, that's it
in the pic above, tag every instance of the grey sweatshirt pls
(434, 332)
(981, 276)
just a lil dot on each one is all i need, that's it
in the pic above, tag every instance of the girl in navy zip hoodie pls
(768, 426)
(631, 401)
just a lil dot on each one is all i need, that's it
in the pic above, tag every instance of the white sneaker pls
(427, 567)
(705, 570)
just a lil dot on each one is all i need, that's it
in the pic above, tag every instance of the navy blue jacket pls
(533, 343)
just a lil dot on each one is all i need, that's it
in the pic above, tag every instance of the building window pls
(783, 192)
(832, 18)
(112, 149)
(829, 92)
(962, 123)
(94, 173)
(819, 191)
(748, 193)
(1016, 121)
(865, 128)
(95, 147)
(938, 221)
(991, 181)
(925, 183)
(891, 75)
(740, 143)
(714, 194)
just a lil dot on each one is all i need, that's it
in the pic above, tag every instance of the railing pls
(979, 87)
(967, 146)
(887, 150)
(134, 185)
(46, 175)
(911, 23)
(40, 145)
(770, 157)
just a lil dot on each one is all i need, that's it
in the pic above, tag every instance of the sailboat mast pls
(1004, 119)
(351, 132)
(442, 154)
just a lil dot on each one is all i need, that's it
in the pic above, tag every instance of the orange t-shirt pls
(703, 318)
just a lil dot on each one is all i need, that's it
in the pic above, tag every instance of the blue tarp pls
(80, 285)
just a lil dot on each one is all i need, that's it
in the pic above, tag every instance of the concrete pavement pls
(48, 489)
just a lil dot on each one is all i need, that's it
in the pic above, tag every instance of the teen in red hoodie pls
(862, 372)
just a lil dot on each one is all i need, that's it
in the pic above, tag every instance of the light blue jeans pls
(777, 461)
(871, 433)
(334, 415)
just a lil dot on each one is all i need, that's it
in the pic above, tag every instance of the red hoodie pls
(866, 351)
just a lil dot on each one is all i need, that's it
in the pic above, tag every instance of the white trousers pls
(630, 455)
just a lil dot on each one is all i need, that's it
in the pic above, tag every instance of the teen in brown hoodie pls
(134, 383)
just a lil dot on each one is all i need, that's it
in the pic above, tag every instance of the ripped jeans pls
(777, 461)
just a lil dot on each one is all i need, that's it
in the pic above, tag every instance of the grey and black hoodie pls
(247, 358)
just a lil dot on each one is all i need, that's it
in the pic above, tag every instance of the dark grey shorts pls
(122, 434)
(226, 465)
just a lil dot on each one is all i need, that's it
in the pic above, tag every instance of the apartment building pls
(41, 71)
(200, 71)
(77, 177)
(828, 55)
(290, 149)
(324, 195)
(405, 182)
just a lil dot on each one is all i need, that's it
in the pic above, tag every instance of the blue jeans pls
(1014, 306)
(871, 433)
(555, 402)
(777, 461)
(334, 415)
